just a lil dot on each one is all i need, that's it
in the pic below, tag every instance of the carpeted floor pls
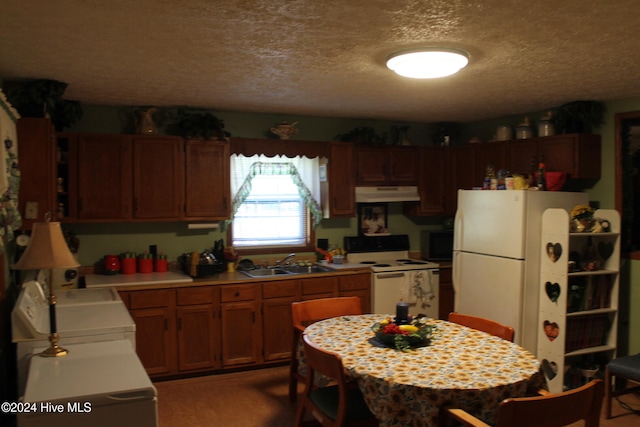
(259, 398)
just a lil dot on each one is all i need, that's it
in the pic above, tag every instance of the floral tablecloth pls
(461, 367)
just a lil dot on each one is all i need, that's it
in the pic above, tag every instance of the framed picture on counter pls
(372, 219)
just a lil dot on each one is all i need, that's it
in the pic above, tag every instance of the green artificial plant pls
(43, 98)
(578, 117)
(363, 135)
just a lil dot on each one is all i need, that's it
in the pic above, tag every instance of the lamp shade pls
(427, 63)
(47, 248)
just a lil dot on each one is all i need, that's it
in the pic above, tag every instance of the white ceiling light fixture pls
(428, 63)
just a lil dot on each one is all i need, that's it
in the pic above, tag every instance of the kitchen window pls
(275, 202)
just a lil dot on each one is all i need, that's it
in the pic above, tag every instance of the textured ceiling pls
(325, 57)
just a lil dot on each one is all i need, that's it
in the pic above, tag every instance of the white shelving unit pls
(578, 313)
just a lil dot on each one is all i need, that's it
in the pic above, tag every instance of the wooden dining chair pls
(481, 324)
(337, 405)
(303, 313)
(623, 368)
(548, 410)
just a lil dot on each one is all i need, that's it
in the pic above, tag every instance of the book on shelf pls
(586, 331)
(589, 293)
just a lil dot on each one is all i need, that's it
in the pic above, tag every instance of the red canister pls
(128, 264)
(145, 264)
(161, 264)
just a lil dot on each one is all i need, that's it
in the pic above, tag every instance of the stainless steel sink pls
(286, 270)
(306, 269)
(265, 272)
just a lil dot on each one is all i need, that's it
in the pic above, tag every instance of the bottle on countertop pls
(542, 179)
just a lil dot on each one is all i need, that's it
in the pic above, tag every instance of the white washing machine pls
(101, 384)
(83, 316)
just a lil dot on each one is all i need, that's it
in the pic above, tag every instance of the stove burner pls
(382, 265)
(368, 262)
(414, 263)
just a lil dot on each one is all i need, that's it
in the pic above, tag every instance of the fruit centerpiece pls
(416, 332)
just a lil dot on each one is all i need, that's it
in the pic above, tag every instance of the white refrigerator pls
(496, 255)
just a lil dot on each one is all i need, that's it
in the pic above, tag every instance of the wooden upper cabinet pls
(433, 182)
(125, 177)
(522, 156)
(158, 177)
(341, 177)
(208, 188)
(371, 167)
(103, 167)
(36, 141)
(403, 165)
(392, 165)
(577, 155)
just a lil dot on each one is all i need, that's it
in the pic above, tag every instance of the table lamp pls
(48, 249)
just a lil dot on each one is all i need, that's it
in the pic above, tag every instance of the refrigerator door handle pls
(458, 229)
(455, 276)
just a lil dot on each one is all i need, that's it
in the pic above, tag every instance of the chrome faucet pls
(286, 260)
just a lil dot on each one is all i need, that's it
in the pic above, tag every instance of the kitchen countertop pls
(119, 280)
(177, 279)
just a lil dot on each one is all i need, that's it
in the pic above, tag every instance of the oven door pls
(417, 287)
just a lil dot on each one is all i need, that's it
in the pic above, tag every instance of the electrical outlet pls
(31, 210)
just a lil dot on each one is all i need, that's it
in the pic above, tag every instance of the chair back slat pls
(554, 410)
(323, 362)
(485, 325)
(304, 313)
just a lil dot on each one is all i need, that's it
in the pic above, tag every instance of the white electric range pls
(396, 277)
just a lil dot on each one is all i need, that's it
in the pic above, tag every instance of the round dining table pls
(460, 367)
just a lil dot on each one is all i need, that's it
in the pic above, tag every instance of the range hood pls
(387, 194)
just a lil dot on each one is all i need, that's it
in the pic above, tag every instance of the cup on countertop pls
(338, 259)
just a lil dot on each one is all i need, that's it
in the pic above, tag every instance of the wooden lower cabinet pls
(277, 297)
(198, 330)
(357, 285)
(153, 312)
(319, 287)
(239, 324)
(208, 328)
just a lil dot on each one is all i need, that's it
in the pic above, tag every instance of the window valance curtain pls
(303, 172)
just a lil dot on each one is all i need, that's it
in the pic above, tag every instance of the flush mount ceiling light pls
(428, 63)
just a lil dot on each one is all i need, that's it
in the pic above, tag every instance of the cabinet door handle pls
(237, 294)
(179, 323)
